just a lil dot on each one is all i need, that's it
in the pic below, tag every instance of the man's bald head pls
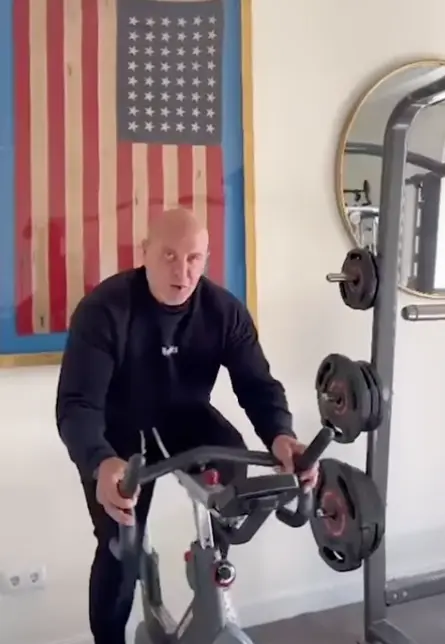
(175, 255)
(175, 223)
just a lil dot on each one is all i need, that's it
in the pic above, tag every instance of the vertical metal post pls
(429, 227)
(383, 333)
(410, 235)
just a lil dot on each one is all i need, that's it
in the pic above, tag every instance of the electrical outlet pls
(12, 582)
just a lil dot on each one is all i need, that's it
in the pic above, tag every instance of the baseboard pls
(288, 605)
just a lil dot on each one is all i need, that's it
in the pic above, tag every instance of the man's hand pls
(111, 471)
(284, 448)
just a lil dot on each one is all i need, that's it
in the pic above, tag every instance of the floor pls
(423, 621)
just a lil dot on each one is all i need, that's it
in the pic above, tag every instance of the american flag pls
(170, 73)
(118, 114)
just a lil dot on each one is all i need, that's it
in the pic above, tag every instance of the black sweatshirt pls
(127, 356)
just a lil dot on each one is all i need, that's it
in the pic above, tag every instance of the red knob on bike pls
(211, 477)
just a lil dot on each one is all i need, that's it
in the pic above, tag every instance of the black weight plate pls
(371, 508)
(374, 387)
(360, 291)
(354, 525)
(343, 396)
(335, 534)
(379, 395)
(376, 395)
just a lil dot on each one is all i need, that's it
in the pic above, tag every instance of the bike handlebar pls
(137, 474)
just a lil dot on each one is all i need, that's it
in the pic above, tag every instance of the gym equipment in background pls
(236, 512)
(378, 594)
(421, 248)
(349, 520)
(423, 313)
(362, 196)
(349, 396)
(358, 280)
(418, 256)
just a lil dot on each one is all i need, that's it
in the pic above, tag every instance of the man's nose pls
(181, 269)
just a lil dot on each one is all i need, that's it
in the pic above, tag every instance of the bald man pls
(144, 350)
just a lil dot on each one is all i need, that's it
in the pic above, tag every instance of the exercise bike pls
(234, 513)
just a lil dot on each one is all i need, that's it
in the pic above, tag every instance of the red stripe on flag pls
(185, 176)
(56, 166)
(155, 178)
(90, 117)
(124, 205)
(215, 213)
(22, 169)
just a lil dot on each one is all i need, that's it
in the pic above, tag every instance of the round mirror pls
(358, 174)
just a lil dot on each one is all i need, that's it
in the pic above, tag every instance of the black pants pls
(180, 430)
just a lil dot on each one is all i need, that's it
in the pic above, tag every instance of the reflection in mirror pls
(422, 239)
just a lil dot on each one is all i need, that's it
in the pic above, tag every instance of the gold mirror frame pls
(339, 160)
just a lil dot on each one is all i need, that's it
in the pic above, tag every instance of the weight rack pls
(417, 271)
(379, 595)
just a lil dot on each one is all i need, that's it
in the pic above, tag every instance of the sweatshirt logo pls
(169, 351)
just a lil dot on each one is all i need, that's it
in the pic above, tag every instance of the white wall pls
(311, 61)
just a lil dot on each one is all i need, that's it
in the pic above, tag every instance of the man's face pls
(175, 263)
